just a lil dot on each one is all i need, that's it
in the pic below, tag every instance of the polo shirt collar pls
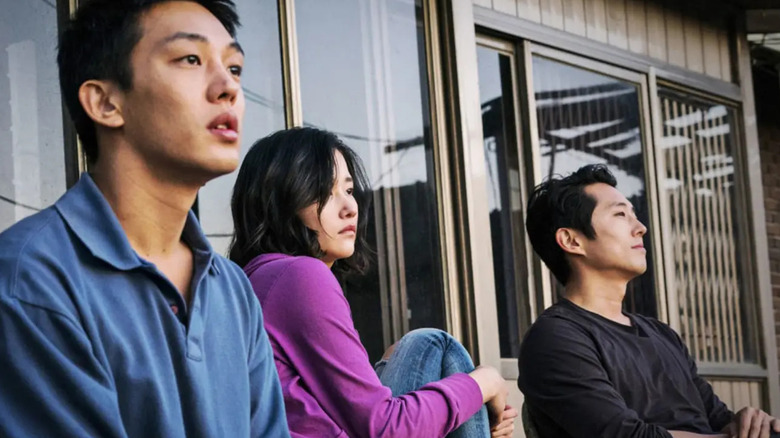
(88, 214)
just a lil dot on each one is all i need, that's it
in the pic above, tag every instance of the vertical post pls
(75, 160)
(290, 71)
(479, 299)
(752, 160)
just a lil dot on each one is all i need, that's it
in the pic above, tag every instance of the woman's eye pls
(350, 191)
(236, 70)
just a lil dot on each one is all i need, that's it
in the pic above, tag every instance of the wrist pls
(488, 380)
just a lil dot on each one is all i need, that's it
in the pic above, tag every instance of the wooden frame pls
(757, 222)
(75, 158)
(291, 81)
(478, 305)
(521, 246)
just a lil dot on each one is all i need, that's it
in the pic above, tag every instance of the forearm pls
(490, 382)
(682, 434)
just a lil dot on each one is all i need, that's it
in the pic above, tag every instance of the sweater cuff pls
(466, 391)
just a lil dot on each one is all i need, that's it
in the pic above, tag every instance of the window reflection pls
(363, 76)
(715, 303)
(261, 81)
(504, 197)
(32, 170)
(588, 118)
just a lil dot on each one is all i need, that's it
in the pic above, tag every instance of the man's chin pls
(220, 167)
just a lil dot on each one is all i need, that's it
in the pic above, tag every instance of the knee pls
(439, 338)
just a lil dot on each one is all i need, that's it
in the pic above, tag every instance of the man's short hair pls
(562, 203)
(97, 44)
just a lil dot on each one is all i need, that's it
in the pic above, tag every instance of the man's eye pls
(620, 213)
(236, 70)
(192, 59)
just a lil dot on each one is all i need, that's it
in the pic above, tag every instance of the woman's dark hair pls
(97, 44)
(562, 203)
(283, 174)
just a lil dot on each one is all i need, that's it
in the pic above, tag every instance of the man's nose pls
(223, 86)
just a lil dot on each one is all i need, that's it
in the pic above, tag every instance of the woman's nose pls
(350, 207)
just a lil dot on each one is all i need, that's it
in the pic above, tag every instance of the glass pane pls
(363, 76)
(32, 170)
(262, 84)
(504, 197)
(587, 118)
(715, 302)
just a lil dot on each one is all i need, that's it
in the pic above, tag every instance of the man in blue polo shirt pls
(116, 316)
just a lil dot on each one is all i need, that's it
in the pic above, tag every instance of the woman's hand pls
(507, 426)
(494, 392)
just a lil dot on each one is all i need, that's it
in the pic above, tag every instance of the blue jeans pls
(428, 355)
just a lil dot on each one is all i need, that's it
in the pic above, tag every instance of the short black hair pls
(281, 175)
(562, 203)
(97, 44)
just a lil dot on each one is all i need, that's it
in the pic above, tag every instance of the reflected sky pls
(32, 175)
(360, 78)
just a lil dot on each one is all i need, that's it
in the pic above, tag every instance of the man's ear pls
(570, 241)
(102, 101)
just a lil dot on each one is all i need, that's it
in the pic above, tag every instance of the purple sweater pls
(329, 386)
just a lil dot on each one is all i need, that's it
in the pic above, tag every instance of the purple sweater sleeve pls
(307, 313)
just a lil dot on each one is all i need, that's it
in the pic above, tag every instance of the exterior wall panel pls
(647, 27)
(529, 10)
(552, 13)
(574, 16)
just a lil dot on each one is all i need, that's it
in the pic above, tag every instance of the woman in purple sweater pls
(297, 208)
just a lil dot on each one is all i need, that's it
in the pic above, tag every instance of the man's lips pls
(225, 126)
(640, 246)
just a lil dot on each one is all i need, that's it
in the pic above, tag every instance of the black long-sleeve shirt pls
(586, 376)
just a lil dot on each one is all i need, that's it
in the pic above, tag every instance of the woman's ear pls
(102, 101)
(570, 241)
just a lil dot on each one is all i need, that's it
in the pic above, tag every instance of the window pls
(505, 177)
(701, 186)
(261, 81)
(585, 117)
(32, 171)
(363, 76)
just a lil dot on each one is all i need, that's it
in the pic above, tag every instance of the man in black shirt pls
(587, 369)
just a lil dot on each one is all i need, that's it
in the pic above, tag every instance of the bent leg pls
(427, 355)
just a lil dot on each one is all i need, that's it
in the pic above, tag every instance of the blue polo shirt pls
(95, 341)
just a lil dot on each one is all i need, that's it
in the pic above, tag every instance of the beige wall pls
(645, 27)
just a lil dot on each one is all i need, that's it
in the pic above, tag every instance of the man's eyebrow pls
(237, 47)
(198, 38)
(622, 204)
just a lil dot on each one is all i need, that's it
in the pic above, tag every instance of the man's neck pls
(152, 211)
(599, 295)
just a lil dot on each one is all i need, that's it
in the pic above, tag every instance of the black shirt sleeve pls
(718, 413)
(562, 378)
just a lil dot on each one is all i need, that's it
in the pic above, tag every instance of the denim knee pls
(439, 338)
(431, 335)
